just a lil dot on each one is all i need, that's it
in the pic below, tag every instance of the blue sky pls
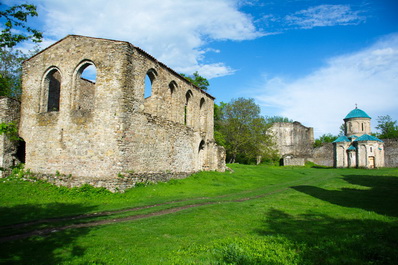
(310, 61)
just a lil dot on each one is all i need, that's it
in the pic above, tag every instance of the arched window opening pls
(202, 113)
(201, 146)
(53, 82)
(85, 86)
(149, 79)
(202, 103)
(362, 126)
(187, 111)
(172, 87)
(89, 73)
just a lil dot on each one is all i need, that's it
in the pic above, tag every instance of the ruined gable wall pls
(293, 139)
(72, 140)
(9, 112)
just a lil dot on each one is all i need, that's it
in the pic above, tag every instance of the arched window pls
(53, 89)
(85, 79)
(172, 87)
(172, 100)
(187, 111)
(202, 102)
(202, 113)
(149, 80)
(201, 146)
(89, 73)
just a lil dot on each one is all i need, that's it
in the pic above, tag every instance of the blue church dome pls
(357, 113)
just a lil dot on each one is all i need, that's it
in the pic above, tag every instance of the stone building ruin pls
(294, 142)
(103, 129)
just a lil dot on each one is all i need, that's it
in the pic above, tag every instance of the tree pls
(342, 129)
(218, 135)
(197, 80)
(244, 131)
(15, 29)
(388, 128)
(274, 119)
(11, 72)
(325, 138)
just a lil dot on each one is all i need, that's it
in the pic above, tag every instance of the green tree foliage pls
(242, 131)
(326, 138)
(274, 119)
(218, 135)
(388, 128)
(197, 80)
(9, 129)
(11, 72)
(342, 129)
(14, 28)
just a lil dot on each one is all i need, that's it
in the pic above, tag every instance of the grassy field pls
(255, 215)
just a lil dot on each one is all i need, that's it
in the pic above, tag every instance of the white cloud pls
(173, 31)
(324, 15)
(322, 99)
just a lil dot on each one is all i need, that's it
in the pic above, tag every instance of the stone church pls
(357, 148)
(109, 127)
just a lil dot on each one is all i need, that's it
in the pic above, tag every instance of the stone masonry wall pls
(9, 112)
(390, 152)
(107, 128)
(73, 140)
(323, 155)
(293, 139)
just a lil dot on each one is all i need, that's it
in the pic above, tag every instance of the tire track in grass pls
(47, 231)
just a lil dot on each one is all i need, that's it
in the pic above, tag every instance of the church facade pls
(357, 147)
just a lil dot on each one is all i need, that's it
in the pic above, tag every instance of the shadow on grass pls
(321, 239)
(380, 194)
(54, 248)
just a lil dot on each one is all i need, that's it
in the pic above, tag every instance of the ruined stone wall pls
(293, 161)
(101, 129)
(390, 152)
(9, 112)
(74, 139)
(175, 122)
(323, 155)
(293, 139)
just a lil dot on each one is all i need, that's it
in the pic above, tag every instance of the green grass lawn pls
(255, 215)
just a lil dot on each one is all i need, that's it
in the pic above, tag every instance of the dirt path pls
(47, 231)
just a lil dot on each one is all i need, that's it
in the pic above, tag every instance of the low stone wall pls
(390, 152)
(294, 161)
(323, 155)
(114, 184)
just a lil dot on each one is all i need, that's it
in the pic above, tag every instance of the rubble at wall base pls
(119, 183)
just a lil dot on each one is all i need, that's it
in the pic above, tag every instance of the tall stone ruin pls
(102, 130)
